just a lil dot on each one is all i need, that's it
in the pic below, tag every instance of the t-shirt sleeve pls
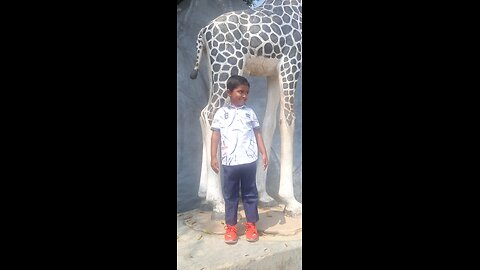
(216, 120)
(254, 121)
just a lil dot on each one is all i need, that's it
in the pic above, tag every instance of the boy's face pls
(239, 95)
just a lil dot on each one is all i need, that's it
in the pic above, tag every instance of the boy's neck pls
(233, 105)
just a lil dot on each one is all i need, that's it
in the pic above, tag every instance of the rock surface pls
(200, 242)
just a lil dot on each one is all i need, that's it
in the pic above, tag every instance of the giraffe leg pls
(268, 129)
(202, 189)
(285, 192)
(218, 97)
(213, 189)
(287, 128)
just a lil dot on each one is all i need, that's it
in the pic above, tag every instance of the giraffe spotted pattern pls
(265, 41)
(251, 42)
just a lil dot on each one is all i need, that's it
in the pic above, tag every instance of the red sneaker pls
(231, 234)
(251, 232)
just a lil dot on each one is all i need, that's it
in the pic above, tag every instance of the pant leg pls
(249, 191)
(231, 182)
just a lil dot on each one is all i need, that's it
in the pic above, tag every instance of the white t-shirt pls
(237, 139)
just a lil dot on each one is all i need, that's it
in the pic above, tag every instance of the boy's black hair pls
(235, 80)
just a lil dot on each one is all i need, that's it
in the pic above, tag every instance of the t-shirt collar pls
(229, 104)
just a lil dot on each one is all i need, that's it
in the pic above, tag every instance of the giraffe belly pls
(260, 66)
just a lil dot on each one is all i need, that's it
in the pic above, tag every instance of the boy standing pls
(237, 129)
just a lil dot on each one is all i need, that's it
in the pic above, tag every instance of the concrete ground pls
(200, 244)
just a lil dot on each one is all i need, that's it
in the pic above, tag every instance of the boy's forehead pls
(243, 87)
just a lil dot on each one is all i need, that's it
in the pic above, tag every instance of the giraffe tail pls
(200, 44)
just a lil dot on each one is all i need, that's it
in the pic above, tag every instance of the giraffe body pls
(265, 41)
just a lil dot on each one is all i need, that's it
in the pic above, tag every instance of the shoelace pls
(231, 229)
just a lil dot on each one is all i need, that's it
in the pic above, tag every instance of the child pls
(236, 126)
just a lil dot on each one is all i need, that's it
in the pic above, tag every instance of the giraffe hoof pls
(267, 202)
(293, 208)
(218, 212)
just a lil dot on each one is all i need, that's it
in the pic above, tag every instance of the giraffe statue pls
(264, 41)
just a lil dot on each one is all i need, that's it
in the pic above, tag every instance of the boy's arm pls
(261, 147)
(214, 151)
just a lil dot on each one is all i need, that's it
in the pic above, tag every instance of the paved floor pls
(200, 243)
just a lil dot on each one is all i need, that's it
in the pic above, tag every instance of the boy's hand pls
(265, 162)
(214, 165)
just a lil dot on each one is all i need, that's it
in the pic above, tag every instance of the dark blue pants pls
(235, 178)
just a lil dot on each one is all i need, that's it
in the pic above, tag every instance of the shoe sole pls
(252, 240)
(231, 242)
